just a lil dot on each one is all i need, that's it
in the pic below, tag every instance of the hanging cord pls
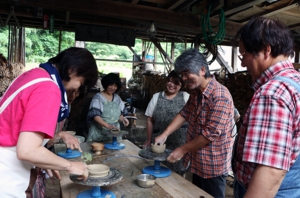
(209, 35)
(206, 49)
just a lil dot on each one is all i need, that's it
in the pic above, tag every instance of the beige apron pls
(15, 174)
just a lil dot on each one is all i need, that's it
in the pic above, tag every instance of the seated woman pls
(106, 108)
(161, 110)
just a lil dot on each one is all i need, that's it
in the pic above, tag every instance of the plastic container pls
(148, 66)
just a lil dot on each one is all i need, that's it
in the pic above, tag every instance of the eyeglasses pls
(241, 56)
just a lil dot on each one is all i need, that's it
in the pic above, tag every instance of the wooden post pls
(234, 58)
(59, 41)
(155, 57)
(172, 55)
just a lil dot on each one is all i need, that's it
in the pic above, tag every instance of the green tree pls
(3, 41)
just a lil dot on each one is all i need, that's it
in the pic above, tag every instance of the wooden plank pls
(130, 164)
(237, 7)
(175, 185)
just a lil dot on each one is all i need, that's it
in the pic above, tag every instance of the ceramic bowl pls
(146, 180)
(97, 146)
(158, 148)
(98, 170)
(71, 132)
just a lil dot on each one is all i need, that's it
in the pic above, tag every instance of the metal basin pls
(146, 180)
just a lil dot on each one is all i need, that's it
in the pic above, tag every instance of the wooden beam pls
(135, 54)
(292, 14)
(133, 12)
(117, 9)
(274, 11)
(175, 5)
(242, 5)
(134, 1)
(161, 2)
(294, 26)
(279, 10)
(223, 63)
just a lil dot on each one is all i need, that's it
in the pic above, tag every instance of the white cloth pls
(15, 174)
(153, 102)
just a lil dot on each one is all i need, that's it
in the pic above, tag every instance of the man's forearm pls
(194, 145)
(176, 123)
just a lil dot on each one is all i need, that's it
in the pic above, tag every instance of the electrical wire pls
(206, 49)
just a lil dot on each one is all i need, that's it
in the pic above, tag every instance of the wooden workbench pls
(130, 164)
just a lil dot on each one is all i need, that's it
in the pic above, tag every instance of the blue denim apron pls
(290, 186)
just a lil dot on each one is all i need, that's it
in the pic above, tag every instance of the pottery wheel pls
(109, 134)
(113, 177)
(148, 154)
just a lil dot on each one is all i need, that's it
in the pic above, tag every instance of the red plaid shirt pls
(270, 134)
(212, 117)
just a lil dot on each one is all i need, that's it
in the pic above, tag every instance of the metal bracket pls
(12, 13)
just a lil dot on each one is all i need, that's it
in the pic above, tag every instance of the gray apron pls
(163, 114)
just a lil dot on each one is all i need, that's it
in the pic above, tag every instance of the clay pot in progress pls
(114, 131)
(158, 148)
(97, 147)
(98, 170)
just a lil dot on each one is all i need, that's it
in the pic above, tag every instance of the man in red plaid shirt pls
(266, 162)
(209, 113)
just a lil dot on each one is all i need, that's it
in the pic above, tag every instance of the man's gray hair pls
(191, 60)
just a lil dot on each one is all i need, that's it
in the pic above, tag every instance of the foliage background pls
(42, 45)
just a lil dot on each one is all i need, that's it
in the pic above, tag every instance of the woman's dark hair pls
(111, 79)
(79, 61)
(177, 80)
(259, 33)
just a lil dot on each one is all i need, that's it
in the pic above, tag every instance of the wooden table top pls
(130, 164)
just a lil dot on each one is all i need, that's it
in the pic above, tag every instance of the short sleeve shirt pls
(34, 109)
(270, 133)
(153, 102)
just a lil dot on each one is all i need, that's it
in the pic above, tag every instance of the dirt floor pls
(53, 186)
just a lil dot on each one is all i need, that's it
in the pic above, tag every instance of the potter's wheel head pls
(117, 134)
(114, 176)
(148, 154)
